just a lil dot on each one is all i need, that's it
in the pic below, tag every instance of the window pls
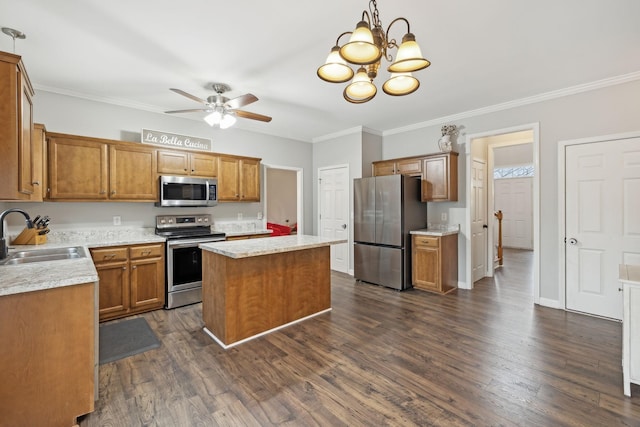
(513, 172)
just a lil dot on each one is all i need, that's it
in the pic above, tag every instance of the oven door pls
(184, 263)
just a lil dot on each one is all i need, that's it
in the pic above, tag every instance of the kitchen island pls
(253, 287)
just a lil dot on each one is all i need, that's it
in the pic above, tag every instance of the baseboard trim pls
(551, 303)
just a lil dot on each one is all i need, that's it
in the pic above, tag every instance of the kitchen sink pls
(39, 255)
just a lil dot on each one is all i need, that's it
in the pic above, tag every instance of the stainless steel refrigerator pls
(386, 208)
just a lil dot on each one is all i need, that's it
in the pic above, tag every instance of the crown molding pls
(572, 90)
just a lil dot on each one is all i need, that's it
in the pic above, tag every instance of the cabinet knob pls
(35, 183)
(103, 192)
(113, 192)
(237, 195)
(124, 268)
(134, 267)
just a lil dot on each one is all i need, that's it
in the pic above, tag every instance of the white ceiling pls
(483, 53)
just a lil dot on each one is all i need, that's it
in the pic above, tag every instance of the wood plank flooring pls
(486, 357)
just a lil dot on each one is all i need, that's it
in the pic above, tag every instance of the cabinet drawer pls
(109, 254)
(146, 251)
(432, 242)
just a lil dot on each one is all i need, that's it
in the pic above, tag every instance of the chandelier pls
(368, 44)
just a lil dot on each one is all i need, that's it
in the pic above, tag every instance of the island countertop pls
(268, 245)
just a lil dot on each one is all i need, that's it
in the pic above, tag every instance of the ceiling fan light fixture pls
(361, 89)
(335, 69)
(409, 57)
(214, 118)
(227, 121)
(400, 84)
(361, 49)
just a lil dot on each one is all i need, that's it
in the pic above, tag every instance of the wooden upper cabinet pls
(17, 172)
(185, 163)
(250, 180)
(82, 168)
(132, 173)
(440, 178)
(438, 172)
(38, 154)
(238, 179)
(411, 166)
(77, 168)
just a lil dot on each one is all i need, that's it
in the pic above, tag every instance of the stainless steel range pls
(184, 258)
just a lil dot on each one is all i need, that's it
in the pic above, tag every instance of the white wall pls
(282, 191)
(77, 116)
(513, 155)
(604, 111)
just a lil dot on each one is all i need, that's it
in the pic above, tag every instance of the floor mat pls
(125, 338)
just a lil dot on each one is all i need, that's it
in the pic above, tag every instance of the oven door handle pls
(190, 242)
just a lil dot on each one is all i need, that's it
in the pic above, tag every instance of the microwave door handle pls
(207, 192)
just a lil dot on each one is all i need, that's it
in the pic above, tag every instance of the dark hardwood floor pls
(486, 357)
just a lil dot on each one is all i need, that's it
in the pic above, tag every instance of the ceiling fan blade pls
(190, 110)
(188, 95)
(252, 116)
(241, 101)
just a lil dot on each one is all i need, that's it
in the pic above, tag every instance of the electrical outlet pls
(117, 220)
(259, 215)
(240, 216)
(443, 216)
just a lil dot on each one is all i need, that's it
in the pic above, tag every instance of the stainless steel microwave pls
(188, 191)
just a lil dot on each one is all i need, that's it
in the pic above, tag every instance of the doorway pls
(333, 209)
(284, 200)
(480, 148)
(599, 200)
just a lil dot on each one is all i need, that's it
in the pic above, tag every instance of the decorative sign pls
(175, 141)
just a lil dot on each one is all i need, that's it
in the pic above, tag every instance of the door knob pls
(573, 241)
(485, 226)
(344, 226)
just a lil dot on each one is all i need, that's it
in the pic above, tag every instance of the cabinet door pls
(205, 165)
(147, 283)
(25, 142)
(426, 263)
(250, 180)
(228, 179)
(411, 167)
(384, 168)
(113, 289)
(39, 165)
(77, 169)
(440, 178)
(173, 162)
(133, 173)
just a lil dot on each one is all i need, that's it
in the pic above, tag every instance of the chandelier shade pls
(368, 44)
(335, 69)
(361, 49)
(361, 88)
(400, 84)
(409, 57)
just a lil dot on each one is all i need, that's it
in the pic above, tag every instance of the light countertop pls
(272, 245)
(15, 279)
(247, 233)
(438, 231)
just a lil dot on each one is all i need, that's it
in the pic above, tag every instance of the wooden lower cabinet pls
(434, 263)
(48, 356)
(131, 279)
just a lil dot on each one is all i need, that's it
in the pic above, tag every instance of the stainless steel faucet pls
(4, 249)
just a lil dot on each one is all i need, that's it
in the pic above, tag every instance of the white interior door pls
(334, 213)
(601, 221)
(513, 196)
(479, 219)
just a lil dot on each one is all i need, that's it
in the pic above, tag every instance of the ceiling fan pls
(222, 110)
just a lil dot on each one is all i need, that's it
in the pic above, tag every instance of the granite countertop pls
(247, 233)
(15, 279)
(437, 231)
(272, 245)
